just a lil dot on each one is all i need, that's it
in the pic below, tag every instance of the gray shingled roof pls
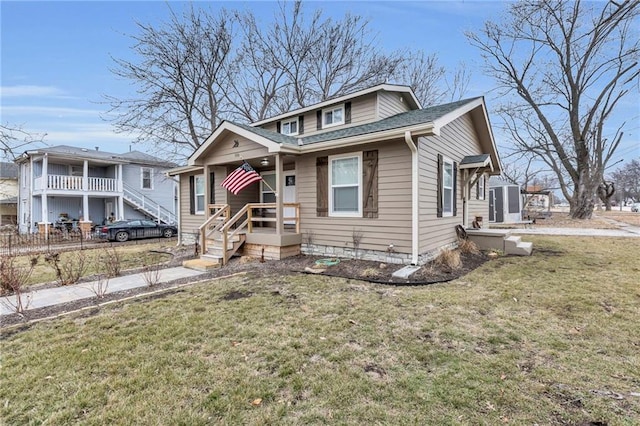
(8, 170)
(129, 157)
(473, 159)
(405, 119)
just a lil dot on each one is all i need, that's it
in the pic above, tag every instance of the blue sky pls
(56, 56)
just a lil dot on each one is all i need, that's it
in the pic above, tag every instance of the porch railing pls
(229, 228)
(74, 183)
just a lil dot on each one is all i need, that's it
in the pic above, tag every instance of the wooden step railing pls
(242, 222)
(220, 213)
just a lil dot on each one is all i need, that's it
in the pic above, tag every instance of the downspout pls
(415, 247)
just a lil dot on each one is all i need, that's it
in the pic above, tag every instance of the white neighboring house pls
(8, 193)
(85, 186)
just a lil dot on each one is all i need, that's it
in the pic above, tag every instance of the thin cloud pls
(30, 91)
(49, 111)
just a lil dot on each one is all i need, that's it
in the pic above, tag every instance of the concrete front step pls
(203, 264)
(515, 246)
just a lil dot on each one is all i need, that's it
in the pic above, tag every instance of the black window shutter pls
(478, 188)
(347, 112)
(212, 188)
(319, 118)
(455, 188)
(279, 127)
(301, 125)
(439, 186)
(192, 195)
(370, 179)
(322, 186)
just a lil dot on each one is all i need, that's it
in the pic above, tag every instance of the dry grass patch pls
(96, 261)
(546, 339)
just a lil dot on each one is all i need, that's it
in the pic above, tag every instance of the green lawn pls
(549, 339)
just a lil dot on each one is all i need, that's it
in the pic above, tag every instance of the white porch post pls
(279, 192)
(120, 215)
(85, 208)
(45, 185)
(85, 175)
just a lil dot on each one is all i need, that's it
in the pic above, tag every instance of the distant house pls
(8, 193)
(370, 175)
(83, 187)
(505, 202)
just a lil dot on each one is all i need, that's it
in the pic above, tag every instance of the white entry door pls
(289, 195)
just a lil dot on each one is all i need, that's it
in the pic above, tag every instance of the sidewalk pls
(70, 293)
(624, 230)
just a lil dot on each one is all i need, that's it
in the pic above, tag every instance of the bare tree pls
(627, 179)
(179, 72)
(566, 66)
(201, 68)
(13, 139)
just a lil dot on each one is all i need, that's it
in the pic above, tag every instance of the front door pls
(289, 196)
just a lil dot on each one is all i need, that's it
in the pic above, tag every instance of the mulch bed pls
(375, 272)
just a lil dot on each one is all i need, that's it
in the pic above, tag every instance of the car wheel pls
(122, 236)
(168, 233)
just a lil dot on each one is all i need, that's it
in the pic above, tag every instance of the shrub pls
(69, 270)
(111, 262)
(448, 259)
(468, 247)
(13, 280)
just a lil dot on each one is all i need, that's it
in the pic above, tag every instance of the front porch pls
(255, 230)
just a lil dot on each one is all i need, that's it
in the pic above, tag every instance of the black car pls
(136, 228)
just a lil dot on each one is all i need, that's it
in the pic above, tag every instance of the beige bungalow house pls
(371, 175)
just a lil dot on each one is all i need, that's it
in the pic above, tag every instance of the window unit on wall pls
(446, 186)
(345, 185)
(76, 170)
(198, 194)
(290, 128)
(146, 178)
(333, 116)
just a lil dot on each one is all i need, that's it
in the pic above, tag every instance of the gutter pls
(415, 248)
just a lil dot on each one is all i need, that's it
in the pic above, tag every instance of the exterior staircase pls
(500, 239)
(143, 203)
(218, 241)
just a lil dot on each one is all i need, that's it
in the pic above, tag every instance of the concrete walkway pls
(624, 230)
(57, 295)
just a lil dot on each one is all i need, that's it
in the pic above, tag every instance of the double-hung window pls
(333, 116)
(447, 187)
(480, 187)
(345, 185)
(198, 193)
(146, 178)
(290, 127)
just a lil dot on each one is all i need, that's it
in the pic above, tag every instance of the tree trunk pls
(582, 203)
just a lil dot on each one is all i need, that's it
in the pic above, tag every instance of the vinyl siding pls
(457, 140)
(393, 225)
(223, 152)
(391, 103)
(189, 223)
(363, 110)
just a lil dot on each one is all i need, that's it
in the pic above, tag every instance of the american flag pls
(240, 178)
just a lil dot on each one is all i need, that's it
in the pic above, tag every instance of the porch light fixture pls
(265, 162)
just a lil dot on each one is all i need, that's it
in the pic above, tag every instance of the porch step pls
(515, 246)
(203, 264)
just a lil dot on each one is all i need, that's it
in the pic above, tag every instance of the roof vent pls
(97, 148)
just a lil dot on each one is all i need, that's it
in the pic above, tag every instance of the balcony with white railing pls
(75, 183)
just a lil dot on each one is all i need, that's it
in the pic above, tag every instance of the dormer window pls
(290, 127)
(333, 116)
